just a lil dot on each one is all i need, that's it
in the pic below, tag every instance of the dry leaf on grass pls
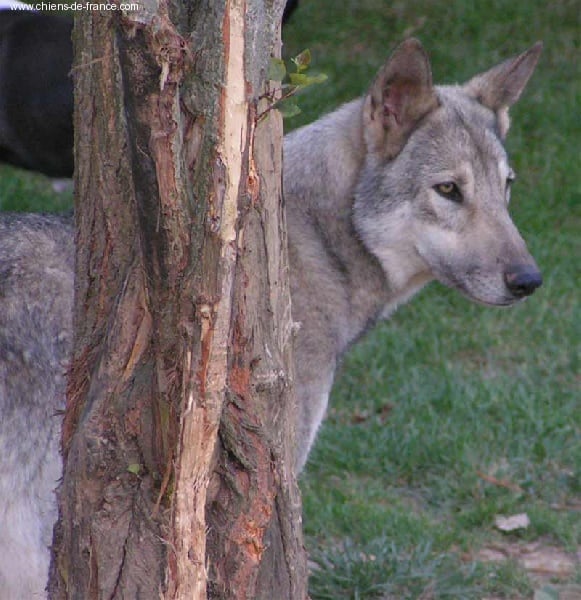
(520, 521)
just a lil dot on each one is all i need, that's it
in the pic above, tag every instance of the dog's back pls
(36, 294)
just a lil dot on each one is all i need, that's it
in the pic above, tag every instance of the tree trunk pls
(177, 441)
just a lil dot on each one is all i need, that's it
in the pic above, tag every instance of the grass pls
(447, 398)
(450, 413)
(24, 191)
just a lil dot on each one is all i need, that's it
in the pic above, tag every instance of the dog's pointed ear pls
(401, 95)
(500, 87)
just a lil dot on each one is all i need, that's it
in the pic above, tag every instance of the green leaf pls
(302, 60)
(304, 80)
(298, 78)
(288, 108)
(134, 468)
(276, 69)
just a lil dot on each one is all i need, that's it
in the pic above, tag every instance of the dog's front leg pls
(313, 386)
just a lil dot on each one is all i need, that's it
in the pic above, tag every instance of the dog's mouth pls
(501, 302)
(484, 290)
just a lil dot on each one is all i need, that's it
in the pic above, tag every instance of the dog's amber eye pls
(449, 190)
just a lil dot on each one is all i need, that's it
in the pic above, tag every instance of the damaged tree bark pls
(177, 440)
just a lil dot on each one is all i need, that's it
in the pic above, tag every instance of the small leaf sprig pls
(292, 83)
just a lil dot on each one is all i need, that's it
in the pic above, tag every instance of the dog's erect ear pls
(500, 87)
(400, 96)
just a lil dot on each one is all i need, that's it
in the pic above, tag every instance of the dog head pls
(433, 196)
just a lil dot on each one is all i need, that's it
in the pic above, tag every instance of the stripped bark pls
(179, 424)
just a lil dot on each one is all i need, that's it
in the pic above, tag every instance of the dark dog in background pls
(36, 91)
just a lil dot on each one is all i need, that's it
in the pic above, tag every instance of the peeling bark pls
(177, 439)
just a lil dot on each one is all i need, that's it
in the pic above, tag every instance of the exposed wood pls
(206, 389)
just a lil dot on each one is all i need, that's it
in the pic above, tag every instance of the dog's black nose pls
(522, 280)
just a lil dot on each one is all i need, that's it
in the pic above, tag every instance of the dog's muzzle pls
(522, 280)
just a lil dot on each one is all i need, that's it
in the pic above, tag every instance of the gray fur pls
(36, 294)
(367, 229)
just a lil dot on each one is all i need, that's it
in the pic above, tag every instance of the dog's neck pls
(329, 263)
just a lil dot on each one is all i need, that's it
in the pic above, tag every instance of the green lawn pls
(24, 191)
(452, 413)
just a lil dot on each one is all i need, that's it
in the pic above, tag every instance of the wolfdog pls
(406, 185)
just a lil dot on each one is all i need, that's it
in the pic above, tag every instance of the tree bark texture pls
(178, 433)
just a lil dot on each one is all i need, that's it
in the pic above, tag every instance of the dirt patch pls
(540, 560)
(552, 592)
(544, 564)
